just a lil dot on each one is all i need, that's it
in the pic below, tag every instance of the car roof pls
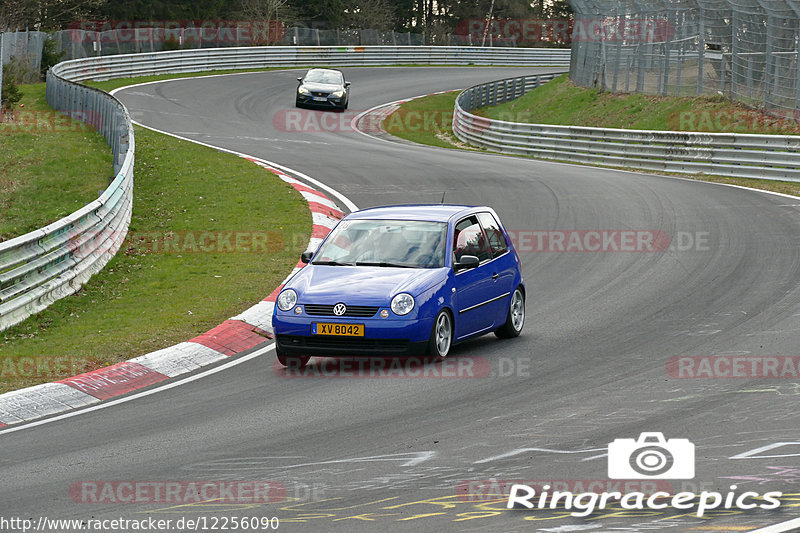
(428, 212)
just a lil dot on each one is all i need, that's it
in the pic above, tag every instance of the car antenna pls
(443, 193)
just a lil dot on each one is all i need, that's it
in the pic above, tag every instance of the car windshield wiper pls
(382, 264)
(332, 263)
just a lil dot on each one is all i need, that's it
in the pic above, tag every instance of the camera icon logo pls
(651, 457)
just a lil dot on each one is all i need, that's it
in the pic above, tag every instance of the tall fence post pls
(2, 50)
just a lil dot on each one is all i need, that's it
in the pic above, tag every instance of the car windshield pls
(323, 76)
(385, 243)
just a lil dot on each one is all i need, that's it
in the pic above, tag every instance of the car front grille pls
(317, 93)
(358, 311)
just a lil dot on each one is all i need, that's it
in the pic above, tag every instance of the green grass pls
(560, 102)
(145, 300)
(425, 120)
(50, 166)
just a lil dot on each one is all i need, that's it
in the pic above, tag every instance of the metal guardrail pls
(107, 67)
(42, 266)
(47, 264)
(774, 157)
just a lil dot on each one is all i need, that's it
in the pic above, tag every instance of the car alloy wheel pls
(441, 336)
(515, 319)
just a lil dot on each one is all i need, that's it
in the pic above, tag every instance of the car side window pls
(497, 241)
(469, 239)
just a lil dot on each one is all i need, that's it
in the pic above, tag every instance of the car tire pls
(515, 318)
(293, 362)
(441, 337)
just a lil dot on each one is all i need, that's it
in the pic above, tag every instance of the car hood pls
(322, 87)
(359, 285)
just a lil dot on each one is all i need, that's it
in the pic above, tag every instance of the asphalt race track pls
(416, 453)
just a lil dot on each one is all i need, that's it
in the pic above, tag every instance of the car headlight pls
(402, 304)
(287, 299)
(337, 94)
(303, 90)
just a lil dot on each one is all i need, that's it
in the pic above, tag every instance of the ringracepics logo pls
(650, 456)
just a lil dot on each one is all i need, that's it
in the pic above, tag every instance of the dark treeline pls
(432, 16)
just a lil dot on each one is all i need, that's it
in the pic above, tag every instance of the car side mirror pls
(467, 261)
(305, 257)
(347, 84)
(300, 80)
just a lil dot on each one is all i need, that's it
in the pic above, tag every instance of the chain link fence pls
(80, 43)
(131, 38)
(745, 50)
(25, 46)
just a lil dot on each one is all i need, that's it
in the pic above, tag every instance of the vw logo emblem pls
(339, 309)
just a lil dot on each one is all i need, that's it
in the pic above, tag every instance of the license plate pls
(320, 98)
(346, 330)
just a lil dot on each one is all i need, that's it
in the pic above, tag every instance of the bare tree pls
(277, 14)
(44, 14)
(372, 14)
(268, 10)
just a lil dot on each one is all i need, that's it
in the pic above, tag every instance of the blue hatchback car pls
(402, 280)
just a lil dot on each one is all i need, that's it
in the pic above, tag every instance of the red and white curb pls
(237, 334)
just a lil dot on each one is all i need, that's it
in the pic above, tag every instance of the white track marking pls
(791, 525)
(234, 362)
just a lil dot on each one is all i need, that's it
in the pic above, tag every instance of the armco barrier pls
(52, 262)
(107, 67)
(774, 157)
(49, 263)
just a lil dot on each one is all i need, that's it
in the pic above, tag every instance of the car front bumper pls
(330, 102)
(382, 337)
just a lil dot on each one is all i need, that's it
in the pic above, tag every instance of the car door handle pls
(495, 275)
